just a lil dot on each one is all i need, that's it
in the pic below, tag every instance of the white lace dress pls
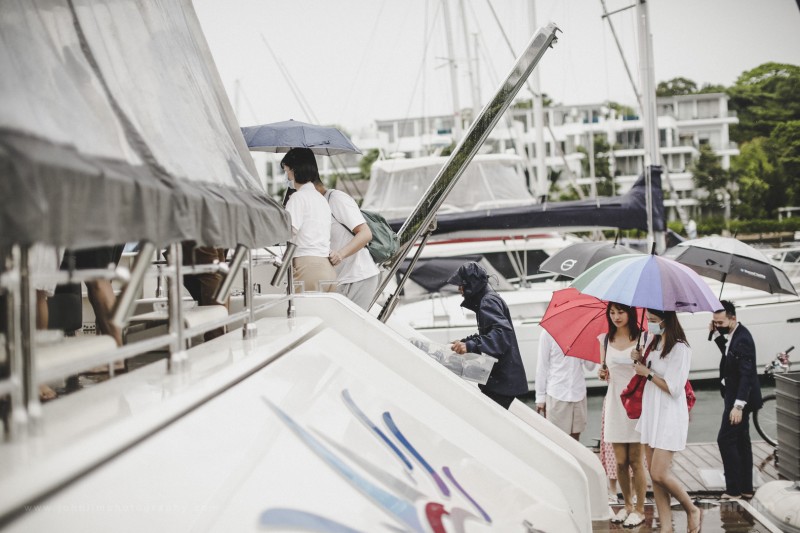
(618, 428)
(664, 423)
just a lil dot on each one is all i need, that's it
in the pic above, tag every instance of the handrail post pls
(177, 349)
(18, 415)
(250, 330)
(27, 330)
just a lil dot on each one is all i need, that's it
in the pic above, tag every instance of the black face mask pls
(724, 330)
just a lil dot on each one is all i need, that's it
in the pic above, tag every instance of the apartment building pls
(684, 124)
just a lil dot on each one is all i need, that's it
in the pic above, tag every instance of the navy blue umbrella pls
(283, 136)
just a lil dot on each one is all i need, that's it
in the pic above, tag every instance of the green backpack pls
(384, 243)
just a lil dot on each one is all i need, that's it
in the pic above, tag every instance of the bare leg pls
(666, 484)
(576, 436)
(623, 474)
(102, 298)
(636, 456)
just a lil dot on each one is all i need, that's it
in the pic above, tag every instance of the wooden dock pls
(697, 463)
(699, 468)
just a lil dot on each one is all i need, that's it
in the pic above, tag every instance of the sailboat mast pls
(451, 60)
(649, 117)
(542, 183)
(473, 80)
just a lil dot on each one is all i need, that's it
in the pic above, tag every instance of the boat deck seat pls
(191, 317)
(72, 355)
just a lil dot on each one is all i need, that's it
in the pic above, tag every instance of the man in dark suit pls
(742, 395)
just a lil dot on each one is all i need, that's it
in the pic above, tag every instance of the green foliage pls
(676, 87)
(622, 110)
(708, 174)
(752, 171)
(717, 225)
(763, 98)
(711, 88)
(365, 165)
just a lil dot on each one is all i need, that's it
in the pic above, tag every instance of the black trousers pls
(500, 399)
(737, 454)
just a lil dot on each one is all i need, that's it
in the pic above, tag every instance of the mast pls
(451, 60)
(542, 185)
(649, 118)
(473, 80)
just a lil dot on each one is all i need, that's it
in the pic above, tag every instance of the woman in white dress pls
(664, 423)
(619, 430)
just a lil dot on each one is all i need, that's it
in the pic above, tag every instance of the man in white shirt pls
(561, 387)
(356, 272)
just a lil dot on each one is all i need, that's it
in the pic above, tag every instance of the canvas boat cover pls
(115, 127)
(627, 211)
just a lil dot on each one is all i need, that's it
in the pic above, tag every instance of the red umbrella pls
(575, 320)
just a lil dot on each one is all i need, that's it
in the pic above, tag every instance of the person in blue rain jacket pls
(495, 337)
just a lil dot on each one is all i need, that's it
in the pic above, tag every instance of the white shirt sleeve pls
(678, 369)
(345, 210)
(295, 211)
(543, 366)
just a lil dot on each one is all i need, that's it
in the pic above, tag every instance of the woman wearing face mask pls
(311, 221)
(664, 423)
(619, 430)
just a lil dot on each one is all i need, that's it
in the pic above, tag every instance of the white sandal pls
(634, 519)
(620, 517)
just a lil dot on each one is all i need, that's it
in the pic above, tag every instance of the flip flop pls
(699, 522)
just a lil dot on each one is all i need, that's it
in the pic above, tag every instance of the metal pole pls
(650, 134)
(27, 302)
(421, 218)
(453, 67)
(250, 330)
(177, 350)
(19, 413)
(391, 303)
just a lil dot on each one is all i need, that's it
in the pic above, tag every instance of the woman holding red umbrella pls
(619, 430)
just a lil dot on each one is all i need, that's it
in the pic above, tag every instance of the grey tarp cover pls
(115, 127)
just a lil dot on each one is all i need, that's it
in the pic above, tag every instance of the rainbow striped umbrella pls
(648, 281)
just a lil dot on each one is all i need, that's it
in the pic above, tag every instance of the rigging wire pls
(556, 145)
(368, 48)
(338, 166)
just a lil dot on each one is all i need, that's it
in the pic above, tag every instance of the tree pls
(752, 173)
(676, 87)
(365, 165)
(763, 98)
(784, 151)
(712, 88)
(708, 174)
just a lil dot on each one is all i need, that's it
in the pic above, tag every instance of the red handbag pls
(632, 395)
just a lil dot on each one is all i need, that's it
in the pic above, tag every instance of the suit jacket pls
(738, 369)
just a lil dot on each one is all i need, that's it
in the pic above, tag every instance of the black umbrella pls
(730, 260)
(573, 260)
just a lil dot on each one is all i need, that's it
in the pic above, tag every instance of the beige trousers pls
(311, 270)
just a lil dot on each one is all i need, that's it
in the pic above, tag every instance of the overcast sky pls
(354, 61)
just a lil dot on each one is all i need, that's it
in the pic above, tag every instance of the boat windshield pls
(397, 185)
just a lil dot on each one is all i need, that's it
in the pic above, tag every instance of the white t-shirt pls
(311, 222)
(558, 375)
(344, 210)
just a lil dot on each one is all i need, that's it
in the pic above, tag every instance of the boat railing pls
(34, 359)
